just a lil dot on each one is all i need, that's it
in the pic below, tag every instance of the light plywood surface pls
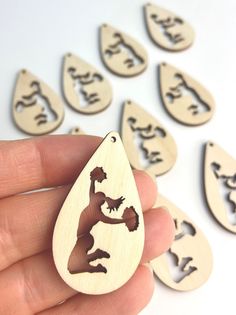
(85, 88)
(103, 201)
(185, 99)
(37, 39)
(188, 264)
(167, 29)
(121, 53)
(220, 185)
(148, 144)
(36, 109)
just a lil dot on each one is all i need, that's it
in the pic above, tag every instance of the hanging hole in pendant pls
(113, 139)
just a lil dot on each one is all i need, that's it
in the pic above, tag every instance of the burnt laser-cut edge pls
(85, 241)
(34, 131)
(102, 53)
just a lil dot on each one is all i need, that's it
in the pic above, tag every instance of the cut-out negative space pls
(148, 144)
(99, 233)
(185, 99)
(36, 108)
(85, 89)
(121, 54)
(220, 185)
(188, 263)
(168, 30)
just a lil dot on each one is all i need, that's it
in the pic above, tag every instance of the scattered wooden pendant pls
(77, 131)
(185, 99)
(99, 234)
(120, 53)
(36, 110)
(168, 30)
(85, 89)
(188, 263)
(148, 144)
(220, 185)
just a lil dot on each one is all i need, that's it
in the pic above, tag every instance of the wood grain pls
(85, 89)
(105, 194)
(220, 185)
(188, 263)
(148, 144)
(36, 109)
(185, 99)
(168, 30)
(120, 53)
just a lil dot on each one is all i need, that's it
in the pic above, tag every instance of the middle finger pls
(27, 221)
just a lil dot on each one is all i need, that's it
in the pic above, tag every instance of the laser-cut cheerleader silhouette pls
(45, 112)
(227, 183)
(148, 138)
(168, 27)
(79, 260)
(196, 104)
(184, 265)
(130, 57)
(84, 84)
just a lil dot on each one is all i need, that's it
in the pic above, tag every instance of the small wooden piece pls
(36, 109)
(167, 30)
(148, 144)
(99, 233)
(85, 89)
(188, 263)
(220, 185)
(120, 53)
(77, 131)
(185, 99)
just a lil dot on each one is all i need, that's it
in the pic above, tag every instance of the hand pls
(114, 204)
(29, 282)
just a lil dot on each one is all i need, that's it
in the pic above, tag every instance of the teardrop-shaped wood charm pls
(168, 30)
(99, 233)
(188, 263)
(185, 99)
(148, 144)
(85, 89)
(36, 109)
(121, 54)
(220, 185)
(77, 131)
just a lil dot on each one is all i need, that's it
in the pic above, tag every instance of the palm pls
(29, 282)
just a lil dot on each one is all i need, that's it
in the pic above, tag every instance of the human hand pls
(29, 282)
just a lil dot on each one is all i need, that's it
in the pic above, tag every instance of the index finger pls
(42, 162)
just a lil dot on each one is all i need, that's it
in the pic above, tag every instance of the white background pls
(36, 35)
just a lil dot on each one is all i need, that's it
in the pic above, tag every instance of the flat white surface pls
(36, 35)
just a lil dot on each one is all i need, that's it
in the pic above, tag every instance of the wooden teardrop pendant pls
(85, 89)
(120, 53)
(148, 144)
(220, 185)
(168, 30)
(188, 263)
(36, 109)
(185, 99)
(99, 233)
